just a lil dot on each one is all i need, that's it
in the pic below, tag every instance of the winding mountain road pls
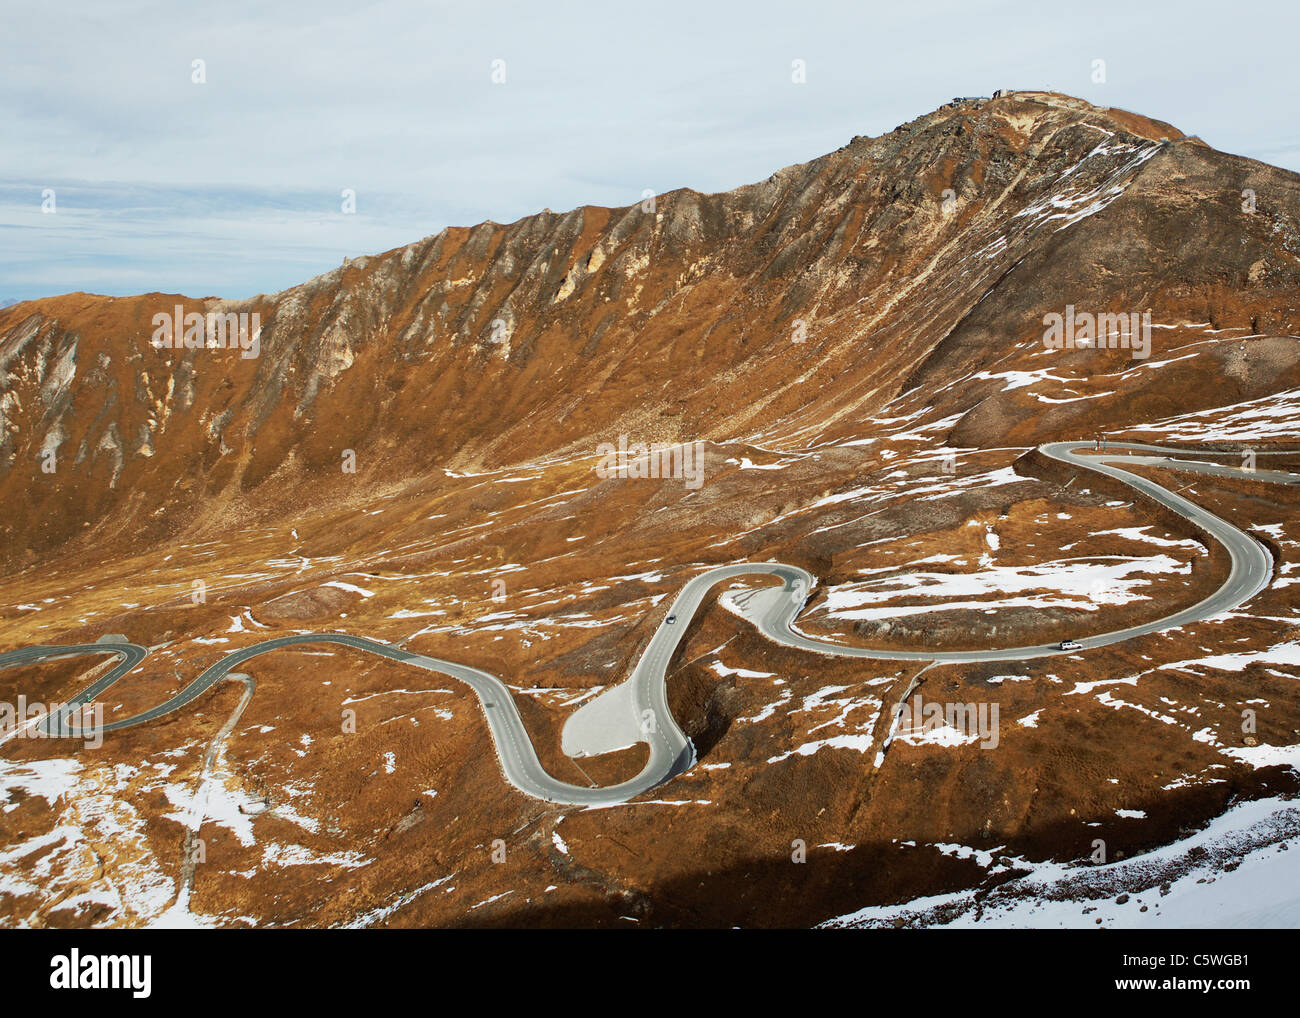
(772, 609)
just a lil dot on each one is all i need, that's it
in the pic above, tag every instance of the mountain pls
(675, 324)
(858, 342)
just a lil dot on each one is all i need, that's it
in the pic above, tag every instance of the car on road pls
(1071, 645)
(671, 619)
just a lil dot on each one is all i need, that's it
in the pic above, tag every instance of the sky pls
(121, 173)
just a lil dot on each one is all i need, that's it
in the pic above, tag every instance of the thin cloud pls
(233, 187)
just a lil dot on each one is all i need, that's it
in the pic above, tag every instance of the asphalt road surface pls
(772, 609)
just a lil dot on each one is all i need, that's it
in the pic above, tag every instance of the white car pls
(672, 619)
(1071, 645)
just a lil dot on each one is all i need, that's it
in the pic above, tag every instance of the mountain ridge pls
(858, 245)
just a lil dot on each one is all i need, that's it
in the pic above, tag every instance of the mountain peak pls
(904, 262)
